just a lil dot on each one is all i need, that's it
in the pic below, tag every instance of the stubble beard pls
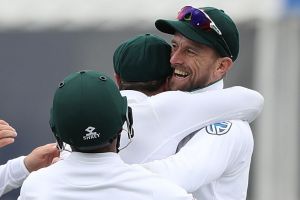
(187, 85)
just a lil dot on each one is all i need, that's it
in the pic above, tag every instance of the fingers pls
(3, 122)
(6, 130)
(6, 141)
(6, 127)
(56, 159)
(7, 133)
(50, 148)
(41, 157)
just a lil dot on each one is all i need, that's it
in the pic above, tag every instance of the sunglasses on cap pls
(199, 19)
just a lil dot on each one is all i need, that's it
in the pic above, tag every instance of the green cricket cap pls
(210, 38)
(143, 58)
(88, 110)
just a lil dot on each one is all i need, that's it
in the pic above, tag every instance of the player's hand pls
(41, 157)
(56, 159)
(7, 134)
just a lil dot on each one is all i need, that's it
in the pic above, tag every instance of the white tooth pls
(181, 72)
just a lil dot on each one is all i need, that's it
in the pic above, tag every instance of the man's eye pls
(190, 51)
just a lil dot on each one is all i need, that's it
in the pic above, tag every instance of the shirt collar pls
(215, 86)
(108, 157)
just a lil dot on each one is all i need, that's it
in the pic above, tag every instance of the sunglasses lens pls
(200, 20)
(195, 16)
(185, 13)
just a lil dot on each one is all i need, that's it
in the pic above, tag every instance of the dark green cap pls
(143, 58)
(210, 38)
(88, 110)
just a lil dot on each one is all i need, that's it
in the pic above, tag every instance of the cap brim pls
(184, 28)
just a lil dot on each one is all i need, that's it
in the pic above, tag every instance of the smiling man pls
(214, 162)
(163, 119)
(195, 65)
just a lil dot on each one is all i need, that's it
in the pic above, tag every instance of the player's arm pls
(41, 157)
(14, 172)
(204, 158)
(193, 111)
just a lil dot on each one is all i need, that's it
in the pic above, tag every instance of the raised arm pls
(189, 112)
(170, 116)
(14, 172)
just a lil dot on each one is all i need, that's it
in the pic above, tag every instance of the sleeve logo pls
(218, 128)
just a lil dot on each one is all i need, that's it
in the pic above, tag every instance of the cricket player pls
(215, 163)
(88, 114)
(164, 119)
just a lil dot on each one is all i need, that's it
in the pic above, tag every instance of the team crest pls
(218, 128)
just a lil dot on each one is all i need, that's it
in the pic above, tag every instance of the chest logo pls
(91, 134)
(218, 128)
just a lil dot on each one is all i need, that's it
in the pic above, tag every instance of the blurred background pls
(42, 41)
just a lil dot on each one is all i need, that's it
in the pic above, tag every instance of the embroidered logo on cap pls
(218, 128)
(91, 135)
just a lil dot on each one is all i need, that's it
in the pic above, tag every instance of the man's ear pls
(224, 65)
(118, 79)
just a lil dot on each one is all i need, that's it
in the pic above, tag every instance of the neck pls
(111, 147)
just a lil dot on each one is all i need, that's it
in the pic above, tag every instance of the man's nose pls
(176, 58)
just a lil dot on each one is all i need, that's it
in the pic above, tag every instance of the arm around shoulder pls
(249, 103)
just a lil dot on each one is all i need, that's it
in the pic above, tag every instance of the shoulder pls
(133, 96)
(227, 127)
(170, 98)
(44, 173)
(233, 132)
(161, 187)
(170, 94)
(32, 182)
(37, 175)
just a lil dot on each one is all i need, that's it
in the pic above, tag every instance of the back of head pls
(206, 25)
(143, 58)
(88, 110)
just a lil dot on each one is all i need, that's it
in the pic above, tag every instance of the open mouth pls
(180, 74)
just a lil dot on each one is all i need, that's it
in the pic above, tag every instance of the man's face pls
(194, 64)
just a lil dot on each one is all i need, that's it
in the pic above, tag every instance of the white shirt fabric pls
(12, 174)
(214, 164)
(95, 176)
(160, 122)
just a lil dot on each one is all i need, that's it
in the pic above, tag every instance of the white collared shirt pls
(95, 176)
(214, 162)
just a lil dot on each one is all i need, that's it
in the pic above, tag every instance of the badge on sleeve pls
(218, 128)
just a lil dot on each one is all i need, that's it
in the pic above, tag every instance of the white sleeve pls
(204, 158)
(171, 191)
(182, 109)
(12, 174)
